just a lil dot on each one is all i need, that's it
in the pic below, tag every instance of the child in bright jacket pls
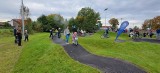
(74, 37)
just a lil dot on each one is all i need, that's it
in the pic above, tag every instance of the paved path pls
(106, 65)
(147, 40)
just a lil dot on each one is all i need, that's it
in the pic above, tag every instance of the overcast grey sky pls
(134, 11)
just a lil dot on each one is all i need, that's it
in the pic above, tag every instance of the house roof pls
(2, 24)
(106, 26)
(19, 21)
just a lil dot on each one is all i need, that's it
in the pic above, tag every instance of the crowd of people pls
(148, 33)
(67, 34)
(57, 32)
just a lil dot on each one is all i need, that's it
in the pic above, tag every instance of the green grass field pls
(143, 54)
(6, 32)
(39, 55)
(9, 54)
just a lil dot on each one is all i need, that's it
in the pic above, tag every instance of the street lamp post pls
(121, 20)
(105, 16)
(150, 24)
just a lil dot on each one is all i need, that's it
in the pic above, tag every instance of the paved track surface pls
(106, 65)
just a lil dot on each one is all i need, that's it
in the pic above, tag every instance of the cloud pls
(131, 10)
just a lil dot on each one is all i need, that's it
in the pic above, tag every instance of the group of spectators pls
(137, 32)
(18, 36)
(66, 33)
(57, 32)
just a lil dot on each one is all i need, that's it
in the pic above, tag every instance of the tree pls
(114, 22)
(55, 21)
(43, 20)
(156, 23)
(29, 25)
(146, 24)
(37, 26)
(135, 28)
(99, 24)
(80, 22)
(87, 19)
(153, 24)
(72, 24)
(25, 11)
(7, 25)
(51, 21)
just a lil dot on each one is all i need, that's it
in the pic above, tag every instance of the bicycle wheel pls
(52, 36)
(102, 36)
(134, 37)
(107, 36)
(140, 36)
(76, 42)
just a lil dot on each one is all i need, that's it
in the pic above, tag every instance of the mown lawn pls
(9, 54)
(6, 33)
(40, 55)
(143, 54)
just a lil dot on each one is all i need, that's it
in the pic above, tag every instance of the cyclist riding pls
(105, 35)
(137, 33)
(106, 32)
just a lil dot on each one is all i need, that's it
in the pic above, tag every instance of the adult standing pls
(67, 34)
(51, 33)
(151, 34)
(19, 36)
(158, 34)
(15, 35)
(59, 32)
(26, 35)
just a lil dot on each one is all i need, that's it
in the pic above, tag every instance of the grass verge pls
(9, 54)
(40, 55)
(143, 54)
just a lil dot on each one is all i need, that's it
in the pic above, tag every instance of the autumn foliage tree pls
(153, 24)
(114, 22)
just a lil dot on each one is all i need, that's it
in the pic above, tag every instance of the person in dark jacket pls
(59, 32)
(26, 35)
(51, 33)
(19, 36)
(144, 34)
(15, 35)
(151, 34)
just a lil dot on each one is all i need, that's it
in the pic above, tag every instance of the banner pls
(122, 28)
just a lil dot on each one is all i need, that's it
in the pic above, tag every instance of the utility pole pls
(22, 17)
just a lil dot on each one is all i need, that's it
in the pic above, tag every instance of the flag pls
(121, 29)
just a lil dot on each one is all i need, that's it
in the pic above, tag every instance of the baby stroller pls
(75, 38)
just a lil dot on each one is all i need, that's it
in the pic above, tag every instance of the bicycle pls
(136, 36)
(75, 41)
(104, 36)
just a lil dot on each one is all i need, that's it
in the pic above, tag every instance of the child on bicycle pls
(131, 34)
(75, 38)
(106, 32)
